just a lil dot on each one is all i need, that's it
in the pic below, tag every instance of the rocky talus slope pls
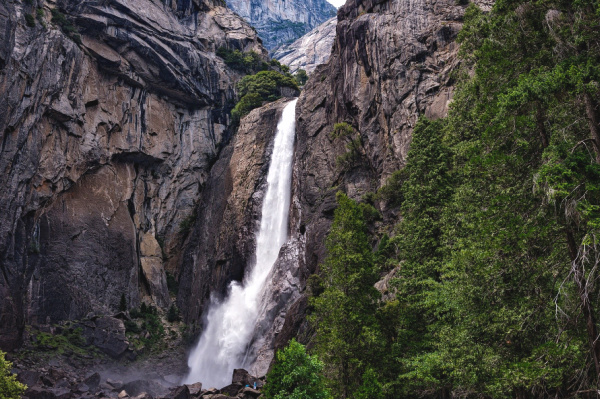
(310, 50)
(392, 62)
(282, 21)
(107, 140)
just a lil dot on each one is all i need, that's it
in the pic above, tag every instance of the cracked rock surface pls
(105, 147)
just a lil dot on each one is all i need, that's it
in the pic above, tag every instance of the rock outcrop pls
(310, 50)
(222, 242)
(107, 138)
(392, 61)
(282, 21)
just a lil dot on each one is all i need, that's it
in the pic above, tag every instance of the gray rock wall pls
(105, 149)
(310, 50)
(282, 21)
(391, 63)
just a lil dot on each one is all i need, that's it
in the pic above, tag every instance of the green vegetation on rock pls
(10, 388)
(258, 88)
(494, 259)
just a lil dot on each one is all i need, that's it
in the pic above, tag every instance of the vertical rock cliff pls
(111, 115)
(392, 61)
(310, 50)
(280, 21)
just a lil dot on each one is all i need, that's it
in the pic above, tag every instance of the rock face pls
(282, 21)
(105, 148)
(222, 241)
(391, 63)
(310, 50)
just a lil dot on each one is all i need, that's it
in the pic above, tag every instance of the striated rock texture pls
(310, 50)
(282, 21)
(105, 147)
(392, 61)
(222, 242)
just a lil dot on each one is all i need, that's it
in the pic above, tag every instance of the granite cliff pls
(112, 114)
(119, 162)
(279, 21)
(391, 62)
(310, 50)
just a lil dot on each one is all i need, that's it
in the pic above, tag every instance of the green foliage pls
(10, 388)
(123, 303)
(145, 330)
(301, 77)
(173, 313)
(347, 331)
(187, 223)
(30, 20)
(246, 104)
(249, 62)
(258, 88)
(495, 254)
(295, 375)
(172, 284)
(69, 340)
(66, 26)
(341, 129)
(132, 326)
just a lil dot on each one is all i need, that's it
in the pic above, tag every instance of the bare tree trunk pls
(594, 123)
(539, 121)
(577, 262)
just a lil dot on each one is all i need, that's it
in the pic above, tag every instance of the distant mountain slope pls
(310, 50)
(282, 21)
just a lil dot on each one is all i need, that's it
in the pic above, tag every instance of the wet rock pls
(108, 334)
(250, 393)
(233, 389)
(223, 244)
(211, 391)
(182, 392)
(242, 377)
(153, 388)
(39, 392)
(195, 389)
(29, 378)
(93, 381)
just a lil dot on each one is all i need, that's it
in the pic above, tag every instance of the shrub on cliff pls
(247, 62)
(10, 388)
(295, 375)
(258, 88)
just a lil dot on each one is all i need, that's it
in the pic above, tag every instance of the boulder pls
(92, 381)
(243, 377)
(109, 336)
(123, 394)
(135, 388)
(250, 393)
(195, 389)
(29, 378)
(182, 392)
(233, 389)
(114, 384)
(39, 392)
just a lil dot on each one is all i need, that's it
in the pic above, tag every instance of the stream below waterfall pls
(230, 323)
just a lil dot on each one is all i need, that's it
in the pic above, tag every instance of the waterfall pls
(230, 323)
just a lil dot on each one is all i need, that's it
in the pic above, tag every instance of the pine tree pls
(347, 334)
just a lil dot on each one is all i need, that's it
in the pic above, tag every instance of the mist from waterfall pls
(230, 323)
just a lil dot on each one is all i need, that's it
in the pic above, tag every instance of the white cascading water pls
(230, 323)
